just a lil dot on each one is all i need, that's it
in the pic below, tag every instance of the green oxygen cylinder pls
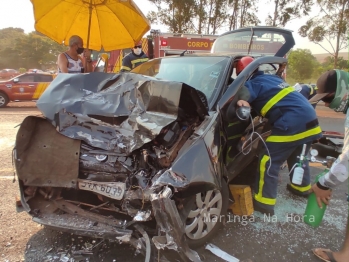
(313, 213)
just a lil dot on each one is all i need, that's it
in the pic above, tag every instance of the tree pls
(242, 13)
(287, 10)
(176, 14)
(330, 26)
(301, 64)
(341, 63)
(7, 35)
(216, 15)
(190, 16)
(27, 50)
(37, 51)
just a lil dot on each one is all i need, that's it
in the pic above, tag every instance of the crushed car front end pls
(121, 157)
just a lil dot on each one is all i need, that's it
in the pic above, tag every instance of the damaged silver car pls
(143, 158)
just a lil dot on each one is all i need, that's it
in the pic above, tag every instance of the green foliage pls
(175, 14)
(20, 50)
(301, 65)
(190, 16)
(341, 63)
(331, 26)
(287, 10)
(22, 70)
(7, 35)
(242, 13)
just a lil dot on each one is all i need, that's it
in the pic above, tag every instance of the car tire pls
(3, 99)
(201, 225)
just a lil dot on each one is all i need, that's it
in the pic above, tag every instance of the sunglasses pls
(137, 46)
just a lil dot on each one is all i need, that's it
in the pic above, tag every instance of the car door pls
(42, 82)
(23, 86)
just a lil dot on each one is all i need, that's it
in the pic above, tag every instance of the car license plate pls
(113, 190)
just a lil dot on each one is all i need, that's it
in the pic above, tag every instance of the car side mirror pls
(16, 80)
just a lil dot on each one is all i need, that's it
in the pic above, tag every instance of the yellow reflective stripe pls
(233, 124)
(40, 88)
(301, 189)
(233, 137)
(284, 92)
(125, 68)
(310, 132)
(259, 197)
(229, 159)
(139, 60)
(311, 90)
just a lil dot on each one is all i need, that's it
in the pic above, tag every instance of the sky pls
(19, 13)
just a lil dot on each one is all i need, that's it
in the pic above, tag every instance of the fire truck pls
(159, 44)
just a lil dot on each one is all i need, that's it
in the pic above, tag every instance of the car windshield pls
(202, 73)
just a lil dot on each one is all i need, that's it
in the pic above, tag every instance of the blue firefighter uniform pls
(308, 91)
(132, 60)
(294, 123)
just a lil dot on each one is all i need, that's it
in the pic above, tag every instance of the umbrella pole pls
(88, 30)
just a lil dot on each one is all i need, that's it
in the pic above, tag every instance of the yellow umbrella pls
(107, 24)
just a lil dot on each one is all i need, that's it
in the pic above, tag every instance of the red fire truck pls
(159, 44)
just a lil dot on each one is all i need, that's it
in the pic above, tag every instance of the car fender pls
(6, 89)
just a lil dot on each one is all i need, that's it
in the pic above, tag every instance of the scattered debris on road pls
(220, 253)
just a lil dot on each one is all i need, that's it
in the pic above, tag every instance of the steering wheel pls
(272, 65)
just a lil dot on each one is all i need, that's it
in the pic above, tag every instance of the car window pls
(26, 78)
(269, 69)
(43, 78)
(202, 73)
(263, 43)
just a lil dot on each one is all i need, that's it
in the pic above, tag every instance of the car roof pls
(8, 69)
(32, 73)
(220, 54)
(203, 54)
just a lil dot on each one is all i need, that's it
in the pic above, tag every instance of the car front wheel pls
(207, 215)
(3, 99)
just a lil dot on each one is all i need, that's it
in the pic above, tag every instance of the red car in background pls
(25, 87)
(8, 73)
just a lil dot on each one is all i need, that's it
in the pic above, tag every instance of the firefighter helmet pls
(242, 63)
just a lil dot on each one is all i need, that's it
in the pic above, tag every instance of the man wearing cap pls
(333, 89)
(134, 59)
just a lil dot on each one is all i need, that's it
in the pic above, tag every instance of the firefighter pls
(293, 123)
(134, 59)
(308, 91)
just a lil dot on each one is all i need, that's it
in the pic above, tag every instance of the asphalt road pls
(279, 239)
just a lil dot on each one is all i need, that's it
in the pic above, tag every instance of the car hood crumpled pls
(116, 112)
